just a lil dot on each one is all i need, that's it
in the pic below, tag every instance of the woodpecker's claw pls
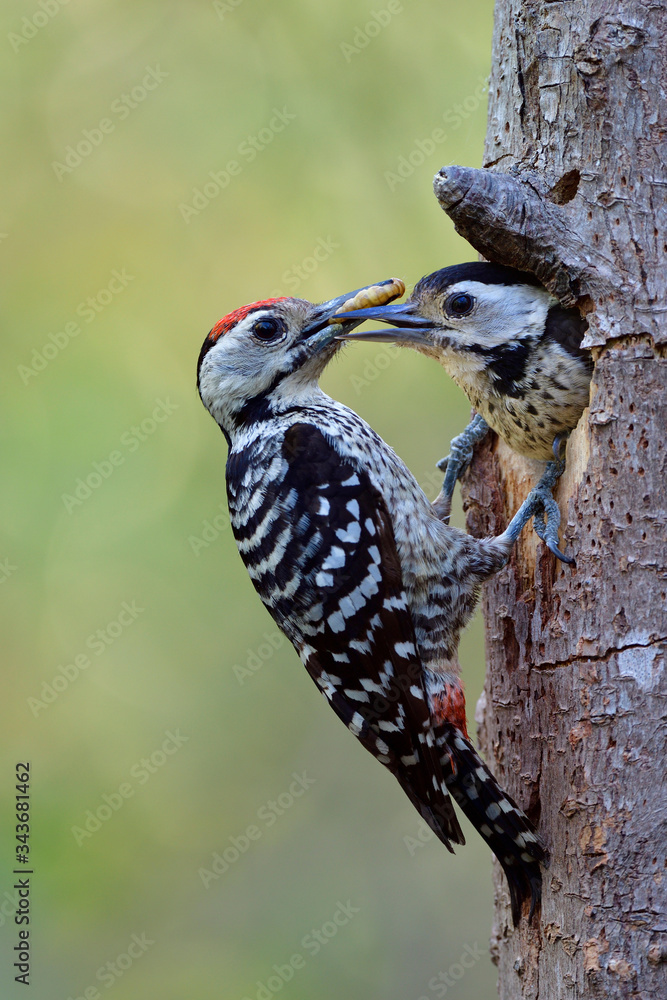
(460, 455)
(540, 505)
(546, 525)
(558, 447)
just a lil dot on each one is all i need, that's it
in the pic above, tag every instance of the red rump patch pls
(450, 706)
(225, 324)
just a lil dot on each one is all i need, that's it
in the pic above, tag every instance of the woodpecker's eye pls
(268, 329)
(459, 304)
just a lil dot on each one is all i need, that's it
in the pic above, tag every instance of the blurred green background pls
(113, 270)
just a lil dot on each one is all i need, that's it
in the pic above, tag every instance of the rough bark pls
(573, 717)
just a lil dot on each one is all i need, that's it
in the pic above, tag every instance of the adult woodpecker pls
(356, 567)
(515, 352)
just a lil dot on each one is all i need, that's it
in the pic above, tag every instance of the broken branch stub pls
(512, 221)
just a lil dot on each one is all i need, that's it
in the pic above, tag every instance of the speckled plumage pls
(355, 566)
(516, 353)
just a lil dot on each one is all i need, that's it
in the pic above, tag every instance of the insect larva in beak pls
(375, 295)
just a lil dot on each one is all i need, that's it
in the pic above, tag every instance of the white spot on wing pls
(336, 622)
(370, 685)
(368, 586)
(350, 534)
(361, 647)
(357, 723)
(335, 559)
(356, 695)
(353, 507)
(395, 602)
(405, 649)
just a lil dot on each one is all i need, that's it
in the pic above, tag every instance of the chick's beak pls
(409, 326)
(329, 320)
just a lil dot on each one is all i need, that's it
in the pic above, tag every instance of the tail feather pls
(496, 816)
(429, 793)
(441, 818)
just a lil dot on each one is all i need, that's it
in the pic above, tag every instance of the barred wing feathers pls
(327, 568)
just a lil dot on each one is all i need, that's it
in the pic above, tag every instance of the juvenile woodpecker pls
(515, 352)
(355, 566)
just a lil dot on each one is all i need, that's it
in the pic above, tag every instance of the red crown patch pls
(225, 324)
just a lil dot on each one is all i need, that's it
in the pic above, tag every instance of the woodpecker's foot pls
(558, 447)
(541, 505)
(460, 454)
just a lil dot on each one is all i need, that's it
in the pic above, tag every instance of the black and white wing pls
(321, 552)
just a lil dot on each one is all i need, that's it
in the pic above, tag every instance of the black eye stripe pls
(459, 304)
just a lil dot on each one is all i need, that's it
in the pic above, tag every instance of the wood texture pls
(574, 713)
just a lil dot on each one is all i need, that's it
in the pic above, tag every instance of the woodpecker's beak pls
(410, 327)
(329, 320)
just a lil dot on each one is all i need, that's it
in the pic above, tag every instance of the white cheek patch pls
(502, 313)
(237, 368)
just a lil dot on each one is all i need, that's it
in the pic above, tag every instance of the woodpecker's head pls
(463, 310)
(268, 355)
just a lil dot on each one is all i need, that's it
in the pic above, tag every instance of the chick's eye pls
(267, 329)
(459, 304)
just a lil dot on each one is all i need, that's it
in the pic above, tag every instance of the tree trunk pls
(573, 717)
